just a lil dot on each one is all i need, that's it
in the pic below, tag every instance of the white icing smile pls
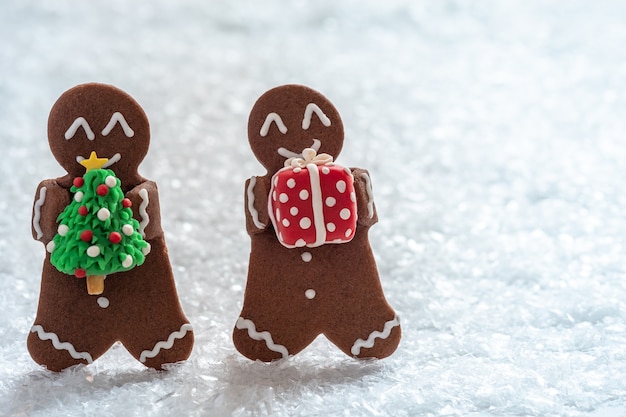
(110, 162)
(290, 154)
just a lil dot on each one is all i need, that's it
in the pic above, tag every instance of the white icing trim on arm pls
(58, 345)
(370, 195)
(147, 354)
(360, 343)
(117, 117)
(273, 117)
(145, 219)
(80, 121)
(253, 212)
(37, 209)
(264, 336)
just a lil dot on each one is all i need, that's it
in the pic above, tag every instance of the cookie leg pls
(258, 341)
(368, 335)
(156, 331)
(69, 328)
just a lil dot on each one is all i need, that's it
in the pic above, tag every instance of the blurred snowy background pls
(495, 134)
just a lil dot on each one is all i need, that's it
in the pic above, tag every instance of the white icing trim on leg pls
(253, 212)
(370, 195)
(147, 354)
(145, 219)
(58, 345)
(265, 336)
(360, 343)
(37, 215)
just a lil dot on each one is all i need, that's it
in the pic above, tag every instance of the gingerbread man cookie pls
(102, 220)
(311, 268)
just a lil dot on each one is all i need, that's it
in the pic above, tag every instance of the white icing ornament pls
(127, 229)
(147, 249)
(93, 251)
(50, 246)
(110, 181)
(127, 262)
(78, 197)
(103, 214)
(63, 229)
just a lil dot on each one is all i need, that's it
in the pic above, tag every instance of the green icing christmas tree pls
(97, 234)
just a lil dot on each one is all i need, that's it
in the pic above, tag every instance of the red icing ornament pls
(102, 190)
(78, 182)
(126, 203)
(115, 237)
(82, 210)
(80, 273)
(86, 235)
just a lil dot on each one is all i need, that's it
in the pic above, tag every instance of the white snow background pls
(495, 135)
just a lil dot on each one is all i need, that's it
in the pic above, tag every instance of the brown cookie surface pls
(139, 306)
(312, 285)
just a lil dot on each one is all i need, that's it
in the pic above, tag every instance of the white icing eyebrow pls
(273, 117)
(80, 121)
(117, 117)
(308, 113)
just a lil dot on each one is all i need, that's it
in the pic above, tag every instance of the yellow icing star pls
(93, 162)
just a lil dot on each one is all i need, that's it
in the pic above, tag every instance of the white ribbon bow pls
(309, 156)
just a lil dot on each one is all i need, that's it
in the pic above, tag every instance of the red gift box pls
(312, 202)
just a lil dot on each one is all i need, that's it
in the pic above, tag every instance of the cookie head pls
(288, 119)
(98, 118)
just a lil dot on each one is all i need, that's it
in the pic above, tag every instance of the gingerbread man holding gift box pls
(102, 220)
(311, 268)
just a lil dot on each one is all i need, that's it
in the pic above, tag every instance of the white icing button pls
(341, 186)
(128, 261)
(286, 223)
(330, 202)
(103, 302)
(305, 223)
(291, 183)
(50, 246)
(63, 229)
(331, 227)
(147, 249)
(104, 213)
(304, 194)
(310, 294)
(127, 229)
(110, 181)
(79, 196)
(283, 198)
(300, 243)
(306, 256)
(294, 211)
(344, 214)
(325, 170)
(93, 251)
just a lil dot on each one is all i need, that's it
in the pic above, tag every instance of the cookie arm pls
(255, 196)
(50, 200)
(146, 209)
(366, 209)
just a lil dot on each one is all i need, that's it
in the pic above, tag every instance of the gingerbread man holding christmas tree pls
(106, 276)
(311, 267)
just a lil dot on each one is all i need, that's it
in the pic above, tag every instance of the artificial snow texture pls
(495, 136)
